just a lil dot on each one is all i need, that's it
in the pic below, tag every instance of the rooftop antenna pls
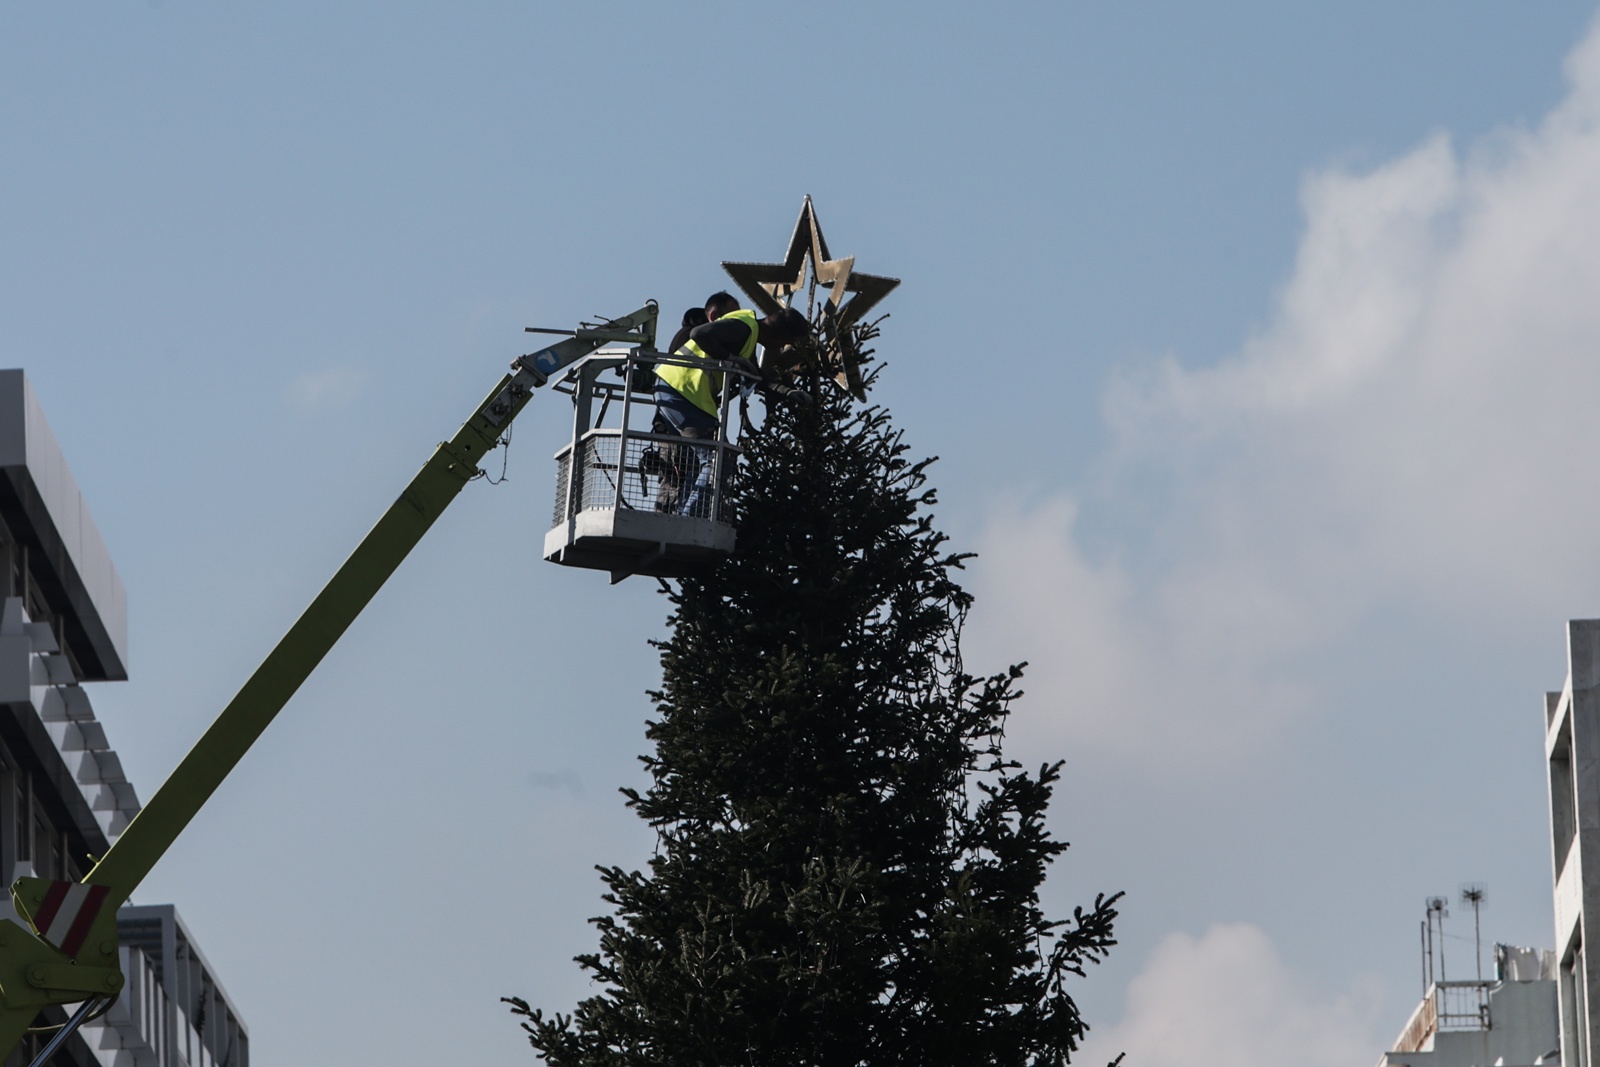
(1427, 956)
(1474, 893)
(1436, 914)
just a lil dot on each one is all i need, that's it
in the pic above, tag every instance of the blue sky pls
(1255, 343)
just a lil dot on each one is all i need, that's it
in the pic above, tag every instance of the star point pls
(772, 287)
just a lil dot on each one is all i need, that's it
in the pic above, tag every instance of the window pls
(1563, 825)
(24, 820)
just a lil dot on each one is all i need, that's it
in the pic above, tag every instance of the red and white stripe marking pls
(69, 909)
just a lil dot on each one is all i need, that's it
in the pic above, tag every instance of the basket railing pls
(635, 471)
(624, 468)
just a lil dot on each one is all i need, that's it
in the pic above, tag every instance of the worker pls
(717, 305)
(686, 396)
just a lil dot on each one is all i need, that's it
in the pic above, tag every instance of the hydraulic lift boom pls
(71, 955)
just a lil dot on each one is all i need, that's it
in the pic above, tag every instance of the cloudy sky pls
(1258, 346)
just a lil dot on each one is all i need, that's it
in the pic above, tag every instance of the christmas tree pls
(848, 867)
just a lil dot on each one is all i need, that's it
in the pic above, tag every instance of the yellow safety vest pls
(698, 387)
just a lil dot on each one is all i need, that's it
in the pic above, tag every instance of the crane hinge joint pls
(67, 977)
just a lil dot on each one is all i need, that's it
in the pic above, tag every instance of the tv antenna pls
(1474, 893)
(1433, 923)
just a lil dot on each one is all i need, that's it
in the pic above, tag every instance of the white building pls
(1510, 1021)
(1572, 748)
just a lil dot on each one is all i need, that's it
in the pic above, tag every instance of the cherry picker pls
(69, 952)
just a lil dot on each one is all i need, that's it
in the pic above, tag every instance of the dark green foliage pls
(848, 867)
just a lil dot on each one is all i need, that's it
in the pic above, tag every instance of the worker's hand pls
(800, 399)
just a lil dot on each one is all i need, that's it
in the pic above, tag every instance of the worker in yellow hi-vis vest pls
(687, 396)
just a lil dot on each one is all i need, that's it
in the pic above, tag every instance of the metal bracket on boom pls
(536, 368)
(70, 955)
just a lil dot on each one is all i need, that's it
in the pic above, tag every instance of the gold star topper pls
(772, 287)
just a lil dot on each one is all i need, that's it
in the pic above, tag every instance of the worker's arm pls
(724, 338)
(776, 389)
(721, 339)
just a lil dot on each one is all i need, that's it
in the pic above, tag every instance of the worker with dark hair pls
(719, 304)
(687, 396)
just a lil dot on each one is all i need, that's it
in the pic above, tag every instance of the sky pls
(1255, 342)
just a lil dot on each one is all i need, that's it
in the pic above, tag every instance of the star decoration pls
(772, 287)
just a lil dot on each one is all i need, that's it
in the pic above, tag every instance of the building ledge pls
(41, 504)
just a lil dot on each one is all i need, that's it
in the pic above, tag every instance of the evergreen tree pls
(848, 867)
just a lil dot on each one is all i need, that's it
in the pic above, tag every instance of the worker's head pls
(720, 304)
(784, 327)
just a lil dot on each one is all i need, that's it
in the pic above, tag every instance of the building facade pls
(1572, 752)
(1509, 1021)
(63, 795)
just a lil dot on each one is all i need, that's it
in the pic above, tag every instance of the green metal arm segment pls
(25, 978)
(455, 463)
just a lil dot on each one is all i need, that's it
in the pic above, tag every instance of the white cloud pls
(334, 387)
(1227, 1000)
(1130, 673)
(1417, 426)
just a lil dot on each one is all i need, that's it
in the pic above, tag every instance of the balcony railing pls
(1447, 1006)
(1462, 1005)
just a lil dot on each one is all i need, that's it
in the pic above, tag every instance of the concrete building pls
(1572, 748)
(63, 795)
(1510, 1021)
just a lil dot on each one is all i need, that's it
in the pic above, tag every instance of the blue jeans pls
(681, 489)
(673, 409)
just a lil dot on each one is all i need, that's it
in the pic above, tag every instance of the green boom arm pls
(74, 955)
